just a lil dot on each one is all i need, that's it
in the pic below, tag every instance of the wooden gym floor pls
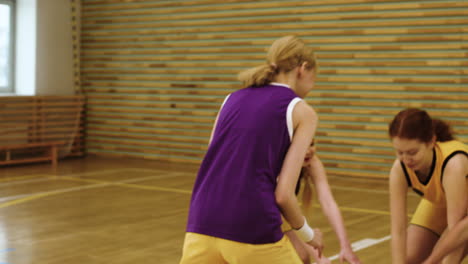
(117, 210)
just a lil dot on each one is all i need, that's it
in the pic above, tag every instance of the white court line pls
(362, 244)
(9, 198)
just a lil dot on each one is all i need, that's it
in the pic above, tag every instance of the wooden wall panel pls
(156, 72)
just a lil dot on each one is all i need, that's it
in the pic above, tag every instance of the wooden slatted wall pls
(156, 72)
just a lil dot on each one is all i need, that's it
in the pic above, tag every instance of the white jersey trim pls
(289, 120)
(225, 100)
(280, 84)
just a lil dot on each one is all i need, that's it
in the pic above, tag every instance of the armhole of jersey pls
(289, 112)
(220, 108)
(406, 174)
(225, 100)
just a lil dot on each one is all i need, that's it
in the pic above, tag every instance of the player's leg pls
(420, 242)
(428, 223)
(450, 240)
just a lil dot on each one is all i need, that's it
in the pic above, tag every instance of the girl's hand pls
(317, 242)
(323, 260)
(347, 254)
(314, 253)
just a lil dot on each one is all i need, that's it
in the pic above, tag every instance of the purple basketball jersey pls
(233, 196)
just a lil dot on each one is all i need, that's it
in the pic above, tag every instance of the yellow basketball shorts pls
(202, 249)
(430, 216)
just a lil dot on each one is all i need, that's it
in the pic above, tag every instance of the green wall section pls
(156, 72)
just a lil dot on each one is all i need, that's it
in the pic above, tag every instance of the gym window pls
(6, 46)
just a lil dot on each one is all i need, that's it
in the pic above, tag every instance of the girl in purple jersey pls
(249, 173)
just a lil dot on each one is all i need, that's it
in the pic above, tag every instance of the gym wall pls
(156, 72)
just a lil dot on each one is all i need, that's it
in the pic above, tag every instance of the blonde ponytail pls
(258, 76)
(284, 55)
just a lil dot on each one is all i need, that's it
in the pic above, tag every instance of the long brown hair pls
(284, 55)
(413, 123)
(306, 178)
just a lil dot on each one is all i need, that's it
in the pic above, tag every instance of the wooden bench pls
(51, 153)
(39, 128)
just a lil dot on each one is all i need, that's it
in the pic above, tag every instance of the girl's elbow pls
(282, 199)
